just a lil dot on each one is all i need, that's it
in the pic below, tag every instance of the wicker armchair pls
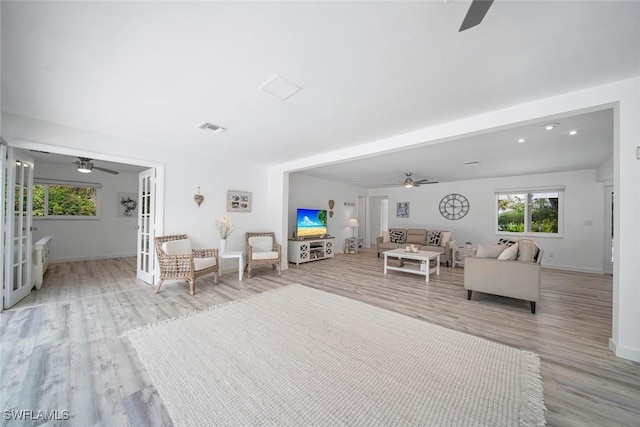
(177, 260)
(262, 249)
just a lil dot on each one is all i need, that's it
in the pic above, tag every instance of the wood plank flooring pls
(60, 348)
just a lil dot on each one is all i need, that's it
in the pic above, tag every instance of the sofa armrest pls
(514, 279)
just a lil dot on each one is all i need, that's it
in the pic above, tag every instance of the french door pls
(146, 225)
(18, 190)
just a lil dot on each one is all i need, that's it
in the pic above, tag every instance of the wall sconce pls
(199, 198)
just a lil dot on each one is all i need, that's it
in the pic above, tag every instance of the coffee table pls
(421, 268)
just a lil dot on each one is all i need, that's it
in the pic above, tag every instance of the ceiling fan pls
(475, 14)
(85, 165)
(410, 182)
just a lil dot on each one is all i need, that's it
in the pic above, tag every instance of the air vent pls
(280, 87)
(211, 126)
(39, 151)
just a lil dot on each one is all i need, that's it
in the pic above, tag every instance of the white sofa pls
(515, 278)
(41, 260)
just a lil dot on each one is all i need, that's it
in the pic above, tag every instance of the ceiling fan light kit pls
(85, 165)
(410, 182)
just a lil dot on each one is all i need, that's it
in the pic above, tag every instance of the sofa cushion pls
(510, 253)
(490, 251)
(434, 237)
(507, 242)
(397, 235)
(388, 245)
(527, 250)
(385, 236)
(416, 236)
(445, 238)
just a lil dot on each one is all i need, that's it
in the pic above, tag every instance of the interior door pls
(146, 225)
(18, 227)
(608, 230)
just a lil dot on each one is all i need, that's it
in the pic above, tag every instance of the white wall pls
(104, 237)
(184, 169)
(314, 193)
(581, 247)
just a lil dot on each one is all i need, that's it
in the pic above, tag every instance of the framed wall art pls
(128, 204)
(238, 201)
(402, 210)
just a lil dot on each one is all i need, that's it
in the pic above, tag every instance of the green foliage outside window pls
(542, 212)
(63, 200)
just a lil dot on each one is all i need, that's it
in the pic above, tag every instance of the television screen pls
(311, 222)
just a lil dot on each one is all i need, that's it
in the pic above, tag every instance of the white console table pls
(310, 250)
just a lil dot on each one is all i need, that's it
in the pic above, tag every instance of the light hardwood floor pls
(60, 348)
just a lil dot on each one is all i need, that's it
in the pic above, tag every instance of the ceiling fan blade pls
(106, 170)
(475, 14)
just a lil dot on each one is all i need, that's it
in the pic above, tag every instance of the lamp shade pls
(353, 223)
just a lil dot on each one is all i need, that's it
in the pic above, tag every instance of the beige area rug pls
(299, 356)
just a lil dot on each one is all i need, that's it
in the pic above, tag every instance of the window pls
(64, 199)
(532, 211)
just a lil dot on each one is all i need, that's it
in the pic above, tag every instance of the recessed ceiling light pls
(550, 126)
(521, 140)
(573, 132)
(211, 126)
(473, 163)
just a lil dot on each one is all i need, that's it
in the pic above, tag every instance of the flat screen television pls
(311, 223)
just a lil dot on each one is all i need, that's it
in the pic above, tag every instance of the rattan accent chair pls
(177, 260)
(262, 249)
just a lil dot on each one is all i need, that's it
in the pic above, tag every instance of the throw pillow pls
(527, 250)
(396, 235)
(489, 251)
(433, 238)
(385, 236)
(506, 242)
(445, 238)
(510, 253)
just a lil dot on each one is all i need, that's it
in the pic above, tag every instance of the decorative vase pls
(223, 246)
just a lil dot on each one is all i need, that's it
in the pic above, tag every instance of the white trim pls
(89, 258)
(624, 352)
(573, 269)
(543, 189)
(45, 181)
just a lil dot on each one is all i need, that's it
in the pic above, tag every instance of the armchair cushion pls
(264, 255)
(510, 253)
(202, 263)
(261, 244)
(177, 247)
(490, 251)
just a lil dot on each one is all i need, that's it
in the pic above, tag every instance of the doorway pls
(609, 255)
(153, 221)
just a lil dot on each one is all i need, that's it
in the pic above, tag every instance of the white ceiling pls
(153, 71)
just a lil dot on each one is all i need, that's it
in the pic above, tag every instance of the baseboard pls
(72, 259)
(574, 269)
(624, 352)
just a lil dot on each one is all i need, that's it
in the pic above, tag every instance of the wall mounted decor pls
(238, 201)
(331, 203)
(454, 206)
(402, 210)
(349, 203)
(128, 204)
(198, 198)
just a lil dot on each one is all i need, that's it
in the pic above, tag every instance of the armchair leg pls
(279, 270)
(158, 286)
(469, 294)
(249, 271)
(216, 278)
(533, 306)
(192, 286)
